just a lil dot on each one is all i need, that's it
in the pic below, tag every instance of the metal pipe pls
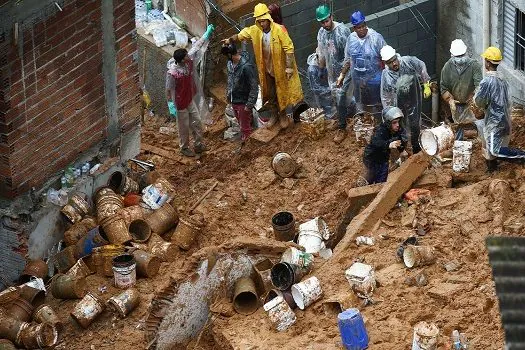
(486, 24)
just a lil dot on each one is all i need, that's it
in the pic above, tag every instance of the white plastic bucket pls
(461, 156)
(153, 197)
(436, 140)
(280, 313)
(297, 257)
(311, 235)
(362, 279)
(425, 336)
(305, 293)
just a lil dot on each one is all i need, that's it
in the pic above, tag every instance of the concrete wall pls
(463, 19)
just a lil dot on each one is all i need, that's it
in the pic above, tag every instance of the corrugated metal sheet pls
(507, 258)
(509, 33)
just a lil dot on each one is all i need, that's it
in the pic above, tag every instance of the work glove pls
(339, 81)
(289, 73)
(172, 108)
(394, 144)
(426, 90)
(452, 104)
(208, 31)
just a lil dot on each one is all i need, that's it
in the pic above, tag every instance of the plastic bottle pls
(70, 176)
(456, 342)
(148, 5)
(63, 181)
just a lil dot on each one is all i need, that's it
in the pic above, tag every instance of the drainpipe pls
(486, 23)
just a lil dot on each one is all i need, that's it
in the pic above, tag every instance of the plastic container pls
(108, 203)
(125, 302)
(21, 309)
(311, 235)
(283, 224)
(425, 336)
(116, 229)
(461, 154)
(436, 140)
(362, 279)
(79, 230)
(79, 270)
(305, 293)
(280, 314)
(352, 329)
(38, 336)
(284, 275)
(284, 165)
(124, 271)
(87, 310)
(34, 268)
(103, 258)
(414, 256)
(295, 256)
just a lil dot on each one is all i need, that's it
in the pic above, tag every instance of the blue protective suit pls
(366, 66)
(318, 78)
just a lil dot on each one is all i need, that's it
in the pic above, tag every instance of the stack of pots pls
(76, 208)
(108, 206)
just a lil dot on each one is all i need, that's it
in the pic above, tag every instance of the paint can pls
(362, 279)
(76, 208)
(425, 336)
(186, 233)
(166, 251)
(414, 256)
(123, 184)
(38, 336)
(34, 296)
(461, 154)
(311, 235)
(295, 256)
(285, 294)
(124, 271)
(115, 229)
(34, 268)
(158, 193)
(163, 219)
(45, 314)
(21, 309)
(284, 275)
(148, 265)
(305, 293)
(9, 294)
(245, 301)
(79, 270)
(96, 237)
(283, 224)
(79, 230)
(353, 330)
(108, 203)
(103, 257)
(436, 140)
(125, 302)
(68, 287)
(140, 230)
(280, 313)
(64, 259)
(284, 165)
(87, 310)
(129, 214)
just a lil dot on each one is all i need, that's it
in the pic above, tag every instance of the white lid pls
(358, 270)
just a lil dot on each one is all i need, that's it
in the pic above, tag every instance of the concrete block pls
(397, 29)
(393, 41)
(409, 38)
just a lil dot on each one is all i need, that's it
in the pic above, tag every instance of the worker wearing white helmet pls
(401, 87)
(460, 76)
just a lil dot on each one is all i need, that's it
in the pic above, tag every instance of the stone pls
(443, 291)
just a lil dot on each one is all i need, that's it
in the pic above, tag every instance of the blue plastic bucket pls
(93, 239)
(352, 329)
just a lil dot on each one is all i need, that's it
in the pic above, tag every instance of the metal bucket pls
(311, 235)
(76, 208)
(35, 268)
(461, 156)
(284, 165)
(140, 230)
(362, 279)
(245, 300)
(283, 224)
(414, 256)
(284, 275)
(96, 237)
(163, 219)
(123, 184)
(87, 310)
(34, 296)
(307, 292)
(68, 287)
(436, 140)
(10, 326)
(103, 257)
(108, 203)
(186, 232)
(116, 229)
(125, 302)
(124, 271)
(285, 294)
(130, 214)
(21, 309)
(64, 259)
(78, 230)
(45, 314)
(79, 270)
(166, 251)
(425, 336)
(148, 265)
(295, 256)
(280, 314)
(38, 336)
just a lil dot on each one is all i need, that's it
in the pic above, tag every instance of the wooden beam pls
(165, 153)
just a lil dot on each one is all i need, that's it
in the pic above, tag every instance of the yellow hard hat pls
(492, 54)
(260, 9)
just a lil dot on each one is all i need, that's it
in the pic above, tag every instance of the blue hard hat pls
(357, 18)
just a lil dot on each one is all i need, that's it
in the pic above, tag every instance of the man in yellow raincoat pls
(274, 55)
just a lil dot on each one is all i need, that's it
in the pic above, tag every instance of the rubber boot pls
(492, 165)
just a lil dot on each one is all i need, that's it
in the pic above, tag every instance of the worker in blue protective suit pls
(362, 57)
(495, 128)
(318, 79)
(331, 41)
(401, 87)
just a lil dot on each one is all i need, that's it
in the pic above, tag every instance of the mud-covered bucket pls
(87, 310)
(116, 229)
(361, 278)
(284, 165)
(148, 265)
(263, 280)
(124, 271)
(461, 154)
(283, 224)
(436, 140)
(64, 259)
(140, 230)
(108, 203)
(295, 256)
(103, 257)
(363, 132)
(6, 344)
(285, 294)
(79, 270)
(284, 275)
(245, 300)
(123, 184)
(79, 230)
(76, 208)
(311, 235)
(45, 314)
(414, 256)
(305, 293)
(96, 237)
(163, 219)
(68, 287)
(34, 296)
(21, 309)
(35, 268)
(280, 313)
(166, 251)
(10, 326)
(38, 336)
(125, 302)
(186, 233)
(132, 213)
(425, 336)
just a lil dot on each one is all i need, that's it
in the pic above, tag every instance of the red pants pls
(244, 118)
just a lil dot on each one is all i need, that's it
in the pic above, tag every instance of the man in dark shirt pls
(387, 136)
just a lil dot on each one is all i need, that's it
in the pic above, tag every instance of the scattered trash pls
(436, 140)
(362, 279)
(363, 240)
(68, 287)
(352, 329)
(284, 275)
(45, 314)
(452, 266)
(459, 340)
(305, 293)
(285, 294)
(76, 208)
(414, 256)
(263, 271)
(280, 313)
(311, 235)
(186, 232)
(409, 241)
(37, 336)
(425, 336)
(295, 256)
(167, 130)
(148, 265)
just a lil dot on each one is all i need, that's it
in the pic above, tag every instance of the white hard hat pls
(387, 52)
(458, 48)
(392, 113)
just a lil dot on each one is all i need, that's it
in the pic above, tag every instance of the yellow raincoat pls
(289, 92)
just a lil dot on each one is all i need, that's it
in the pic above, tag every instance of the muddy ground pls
(247, 196)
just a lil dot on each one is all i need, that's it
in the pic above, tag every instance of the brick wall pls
(52, 102)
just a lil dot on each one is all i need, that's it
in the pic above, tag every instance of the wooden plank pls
(165, 153)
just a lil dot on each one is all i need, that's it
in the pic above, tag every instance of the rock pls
(408, 216)
(421, 280)
(288, 183)
(264, 180)
(452, 266)
(443, 291)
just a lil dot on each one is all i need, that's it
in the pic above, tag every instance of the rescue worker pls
(274, 54)
(243, 87)
(181, 90)
(318, 79)
(363, 58)
(400, 87)
(495, 128)
(387, 136)
(331, 41)
(460, 76)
